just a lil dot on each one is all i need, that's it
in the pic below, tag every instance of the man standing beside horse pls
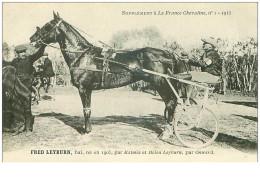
(24, 68)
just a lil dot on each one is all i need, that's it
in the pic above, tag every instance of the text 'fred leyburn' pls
(50, 152)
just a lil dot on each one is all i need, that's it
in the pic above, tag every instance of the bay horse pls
(88, 73)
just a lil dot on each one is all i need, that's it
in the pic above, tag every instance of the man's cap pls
(45, 54)
(20, 48)
(210, 41)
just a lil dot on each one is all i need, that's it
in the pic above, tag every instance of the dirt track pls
(130, 120)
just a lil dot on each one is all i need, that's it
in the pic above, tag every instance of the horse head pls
(49, 33)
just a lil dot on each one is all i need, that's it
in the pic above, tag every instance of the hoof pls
(20, 130)
(187, 103)
(88, 129)
(28, 133)
(167, 133)
(16, 133)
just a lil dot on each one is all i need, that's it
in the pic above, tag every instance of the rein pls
(62, 49)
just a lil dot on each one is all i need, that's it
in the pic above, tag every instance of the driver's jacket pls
(213, 67)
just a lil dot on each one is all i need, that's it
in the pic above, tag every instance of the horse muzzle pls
(36, 44)
(33, 43)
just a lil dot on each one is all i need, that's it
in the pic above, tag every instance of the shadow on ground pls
(46, 97)
(252, 118)
(240, 144)
(153, 122)
(244, 103)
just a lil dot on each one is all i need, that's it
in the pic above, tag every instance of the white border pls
(122, 171)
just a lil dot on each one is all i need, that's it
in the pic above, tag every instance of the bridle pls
(56, 31)
(54, 28)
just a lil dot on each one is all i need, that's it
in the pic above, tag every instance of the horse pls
(91, 69)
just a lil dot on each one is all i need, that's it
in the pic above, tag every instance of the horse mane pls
(80, 39)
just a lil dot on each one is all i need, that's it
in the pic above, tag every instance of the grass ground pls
(130, 120)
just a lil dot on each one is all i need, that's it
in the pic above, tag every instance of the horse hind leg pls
(170, 105)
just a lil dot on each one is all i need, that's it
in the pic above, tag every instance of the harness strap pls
(53, 28)
(104, 71)
(77, 60)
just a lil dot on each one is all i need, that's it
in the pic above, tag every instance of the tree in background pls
(146, 37)
(239, 59)
(239, 63)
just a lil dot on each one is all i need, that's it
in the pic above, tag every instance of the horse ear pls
(58, 15)
(38, 29)
(54, 15)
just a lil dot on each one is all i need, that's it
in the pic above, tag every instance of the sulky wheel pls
(195, 127)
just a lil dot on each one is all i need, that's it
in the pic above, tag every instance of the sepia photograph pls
(129, 82)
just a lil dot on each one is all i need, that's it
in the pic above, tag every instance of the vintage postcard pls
(129, 82)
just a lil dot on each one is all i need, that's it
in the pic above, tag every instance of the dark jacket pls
(47, 68)
(215, 68)
(24, 66)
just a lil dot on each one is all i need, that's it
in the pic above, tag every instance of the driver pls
(210, 63)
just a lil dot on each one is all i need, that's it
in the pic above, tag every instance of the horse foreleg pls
(85, 96)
